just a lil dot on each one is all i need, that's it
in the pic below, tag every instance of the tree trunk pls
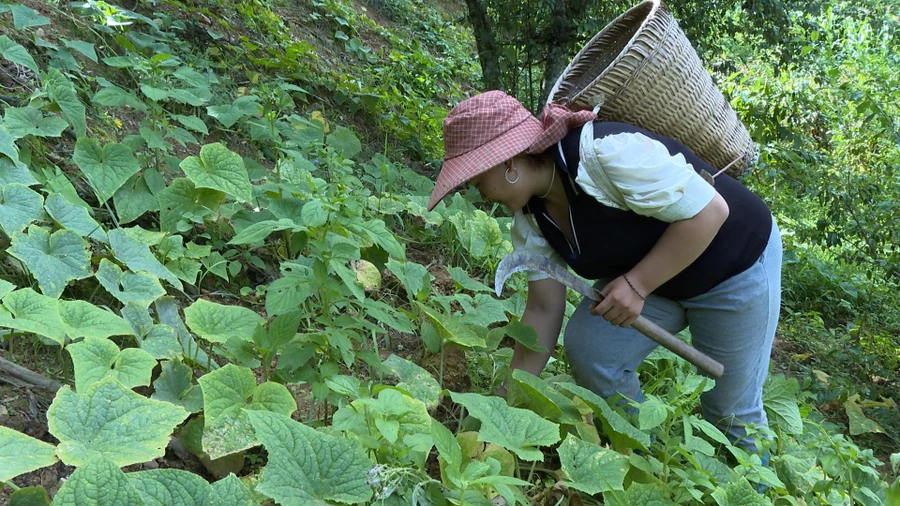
(488, 54)
(559, 39)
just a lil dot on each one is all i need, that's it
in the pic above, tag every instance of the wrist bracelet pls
(633, 288)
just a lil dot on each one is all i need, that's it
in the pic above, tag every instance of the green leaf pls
(259, 231)
(26, 17)
(154, 94)
(591, 468)
(415, 380)
(229, 394)
(98, 483)
(307, 467)
(30, 496)
(414, 276)
(113, 96)
(87, 320)
(17, 53)
(643, 494)
(19, 207)
(35, 313)
(451, 330)
(22, 121)
(106, 167)
(446, 445)
(219, 168)
(171, 487)
(53, 259)
(230, 491)
(617, 428)
(218, 323)
(5, 288)
(129, 287)
(134, 199)
(10, 173)
(174, 385)
(74, 217)
(527, 390)
(167, 309)
(85, 48)
(466, 281)
(287, 293)
(859, 423)
(314, 214)
(110, 421)
(380, 235)
(20, 454)
(119, 62)
(518, 430)
(739, 493)
(652, 413)
(780, 401)
(344, 142)
(192, 123)
(97, 358)
(137, 256)
(8, 146)
(182, 202)
(62, 91)
(525, 334)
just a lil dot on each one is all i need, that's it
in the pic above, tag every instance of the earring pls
(509, 167)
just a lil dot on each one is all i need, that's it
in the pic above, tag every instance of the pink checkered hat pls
(492, 127)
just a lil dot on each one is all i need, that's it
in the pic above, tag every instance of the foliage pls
(205, 175)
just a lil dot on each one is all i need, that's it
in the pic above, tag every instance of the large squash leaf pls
(109, 421)
(307, 467)
(518, 430)
(20, 454)
(53, 259)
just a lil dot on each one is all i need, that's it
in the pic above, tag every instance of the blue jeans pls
(733, 323)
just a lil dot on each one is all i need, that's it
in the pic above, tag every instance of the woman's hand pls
(621, 305)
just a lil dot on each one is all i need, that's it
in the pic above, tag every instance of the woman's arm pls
(544, 311)
(682, 243)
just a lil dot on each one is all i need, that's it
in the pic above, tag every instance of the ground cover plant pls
(214, 236)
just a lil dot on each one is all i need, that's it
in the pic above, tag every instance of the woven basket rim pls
(655, 6)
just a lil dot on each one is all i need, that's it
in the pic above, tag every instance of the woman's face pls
(493, 186)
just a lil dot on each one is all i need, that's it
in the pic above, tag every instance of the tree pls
(488, 55)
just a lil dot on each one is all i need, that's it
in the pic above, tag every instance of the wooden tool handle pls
(679, 347)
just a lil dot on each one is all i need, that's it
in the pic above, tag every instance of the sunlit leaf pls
(26, 17)
(61, 90)
(22, 121)
(33, 312)
(84, 319)
(518, 430)
(19, 207)
(106, 167)
(780, 401)
(96, 358)
(218, 323)
(98, 483)
(110, 421)
(591, 468)
(219, 168)
(229, 395)
(20, 454)
(17, 53)
(74, 217)
(137, 256)
(53, 259)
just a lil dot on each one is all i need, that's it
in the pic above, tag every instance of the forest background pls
(213, 223)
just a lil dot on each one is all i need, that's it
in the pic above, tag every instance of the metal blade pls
(528, 261)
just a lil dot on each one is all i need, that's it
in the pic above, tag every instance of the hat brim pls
(457, 170)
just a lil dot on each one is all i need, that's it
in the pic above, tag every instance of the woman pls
(627, 208)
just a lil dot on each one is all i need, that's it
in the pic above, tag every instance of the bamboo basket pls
(641, 69)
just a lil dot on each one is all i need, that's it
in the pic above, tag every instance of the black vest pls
(609, 241)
